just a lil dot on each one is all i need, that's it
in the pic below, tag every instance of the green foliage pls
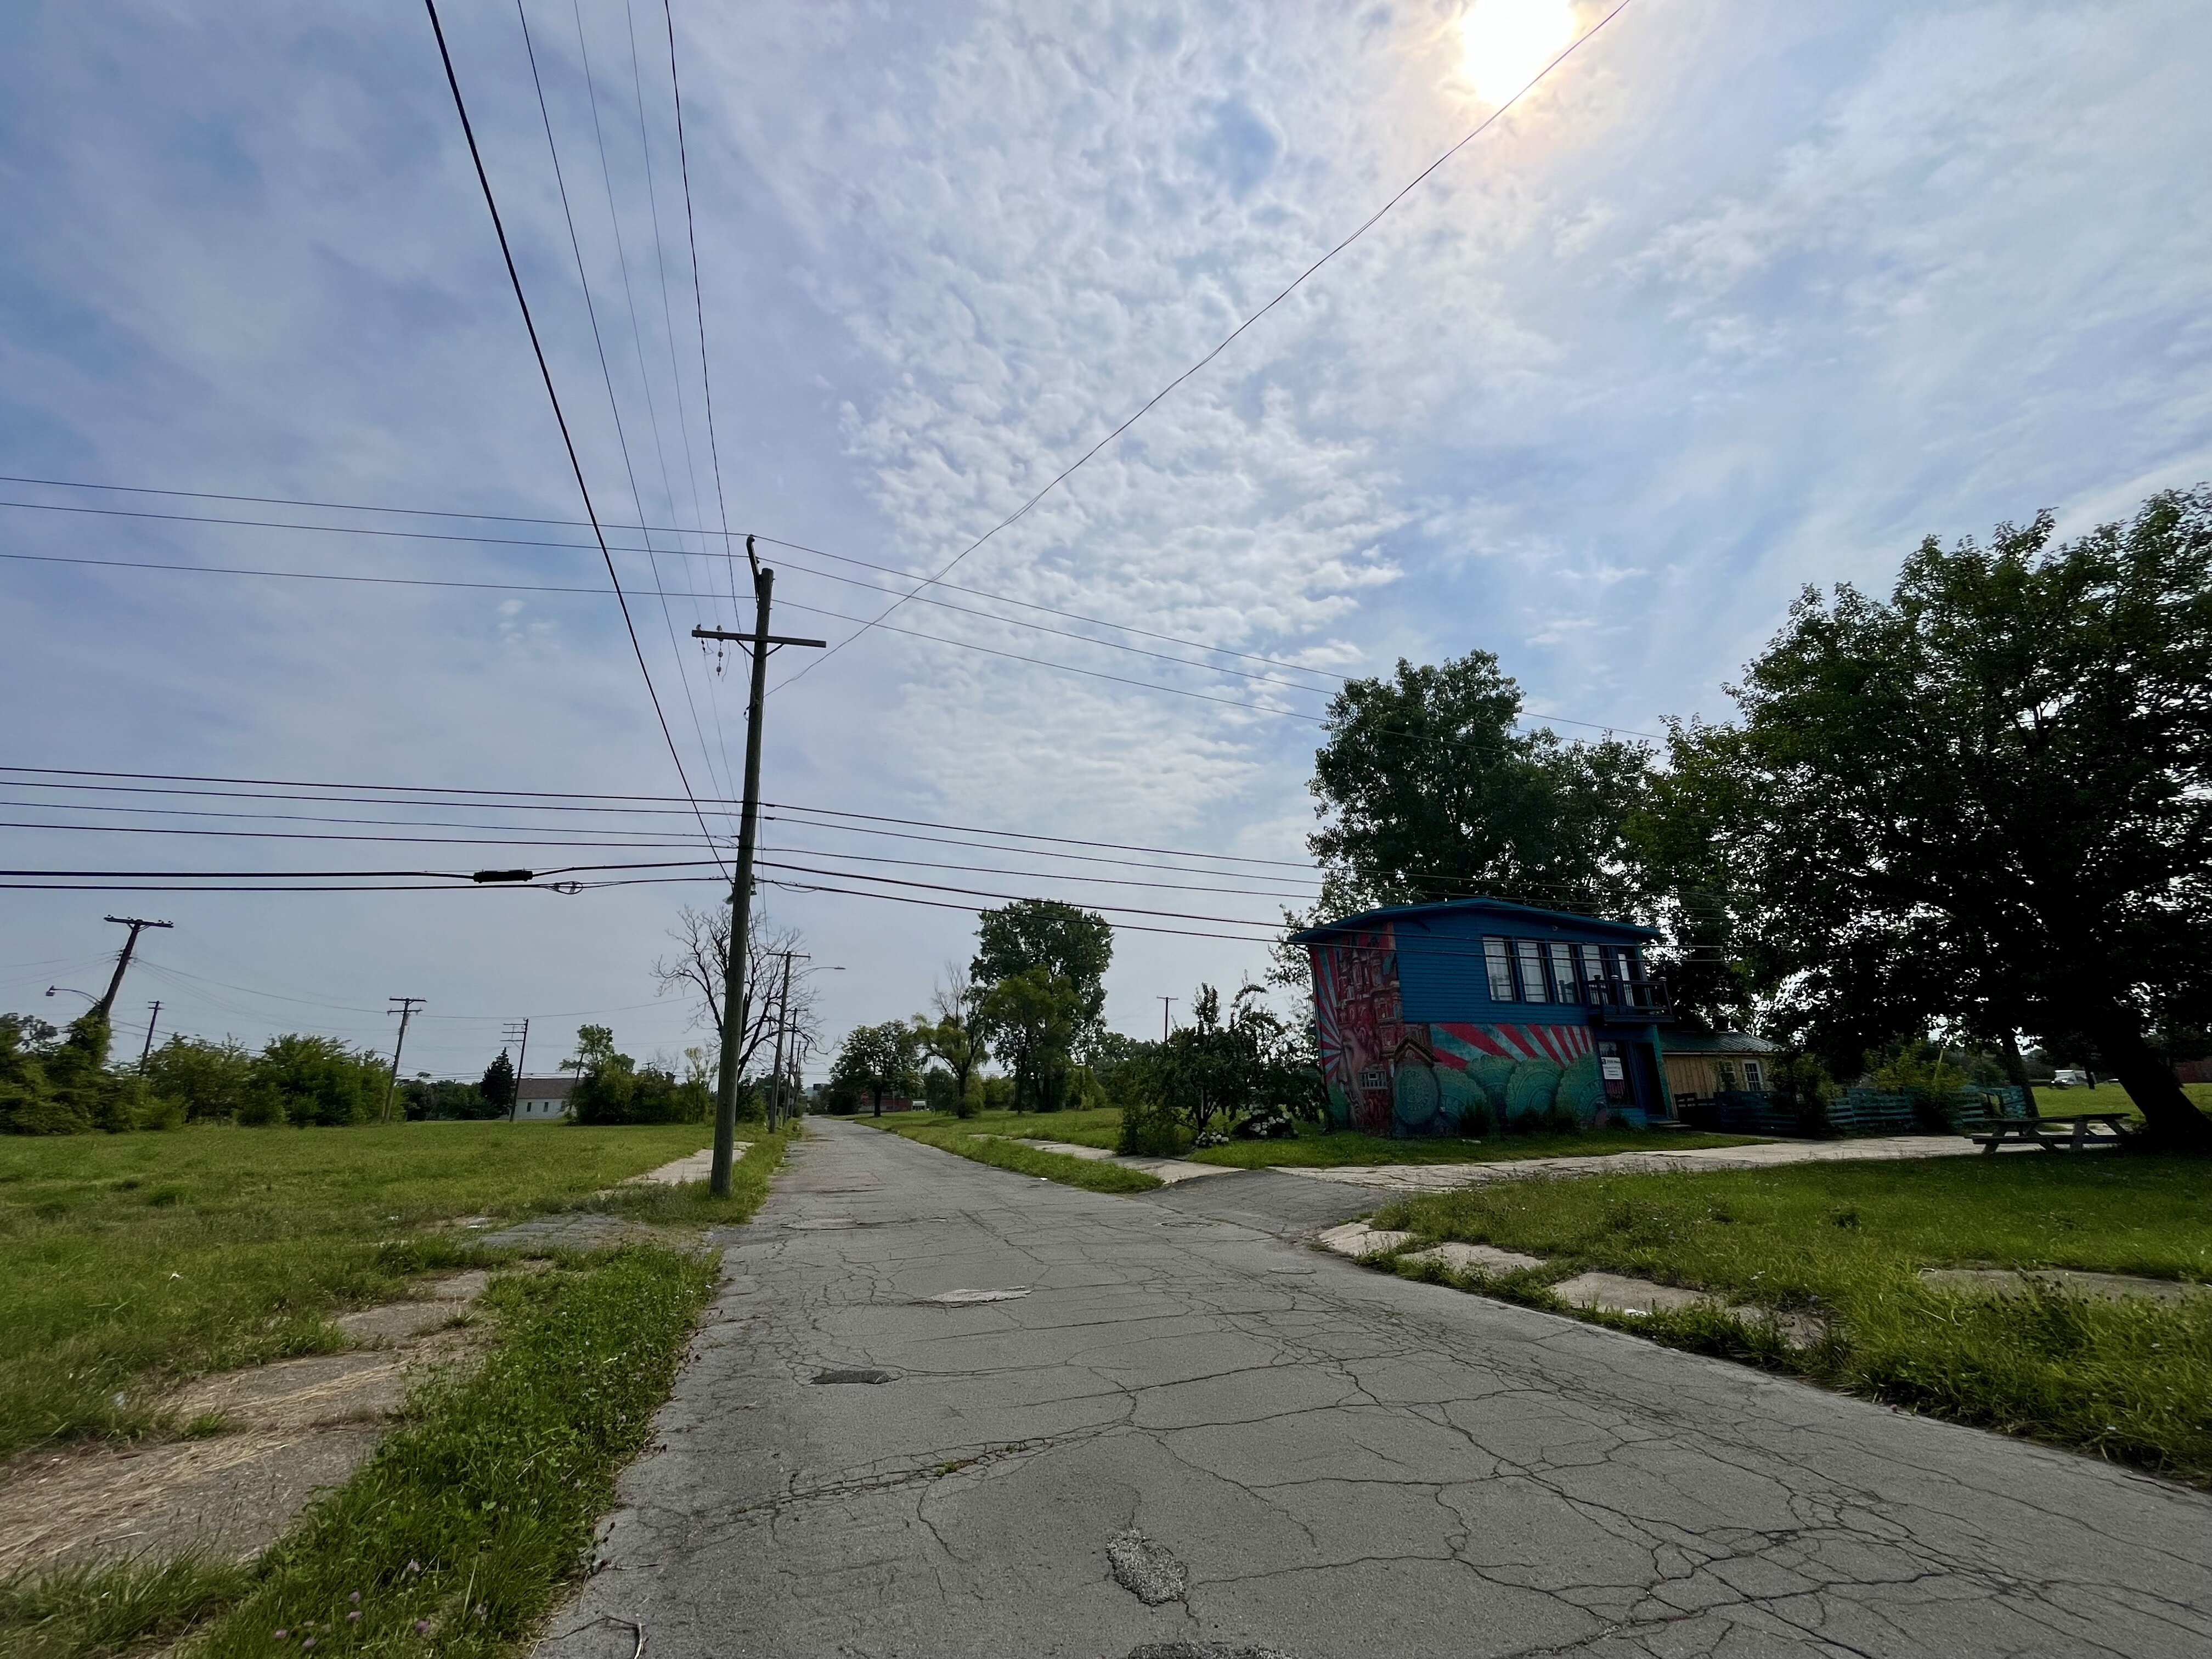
(1045, 936)
(55, 1082)
(1982, 799)
(1430, 791)
(1224, 1066)
(613, 1088)
(875, 1060)
(444, 1100)
(316, 1082)
(1033, 1018)
(131, 1261)
(88, 1611)
(211, 1081)
(498, 1084)
(473, 1514)
(1845, 1241)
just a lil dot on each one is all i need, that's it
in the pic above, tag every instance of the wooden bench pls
(1993, 1133)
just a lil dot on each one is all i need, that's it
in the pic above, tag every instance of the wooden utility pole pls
(516, 1031)
(136, 925)
(1164, 1004)
(760, 642)
(406, 1011)
(152, 1019)
(782, 1026)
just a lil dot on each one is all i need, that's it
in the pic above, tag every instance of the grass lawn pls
(458, 1535)
(2130, 1381)
(2107, 1097)
(1315, 1150)
(129, 1261)
(979, 1137)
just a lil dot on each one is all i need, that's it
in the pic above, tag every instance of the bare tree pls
(700, 961)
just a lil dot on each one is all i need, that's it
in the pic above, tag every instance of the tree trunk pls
(2016, 1069)
(2172, 1122)
(879, 1103)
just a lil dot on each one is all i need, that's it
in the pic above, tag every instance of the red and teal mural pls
(1387, 1076)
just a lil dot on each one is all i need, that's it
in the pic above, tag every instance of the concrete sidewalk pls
(1189, 1438)
(1768, 1155)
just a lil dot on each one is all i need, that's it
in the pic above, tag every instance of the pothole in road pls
(862, 1374)
(1204, 1650)
(1147, 1571)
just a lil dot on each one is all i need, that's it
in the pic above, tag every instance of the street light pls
(74, 992)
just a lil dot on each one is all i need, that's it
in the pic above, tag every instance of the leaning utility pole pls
(106, 1005)
(518, 1031)
(761, 643)
(152, 1019)
(406, 1011)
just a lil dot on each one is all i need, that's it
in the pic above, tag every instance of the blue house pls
(1454, 1017)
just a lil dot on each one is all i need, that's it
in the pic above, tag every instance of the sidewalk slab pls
(1448, 1178)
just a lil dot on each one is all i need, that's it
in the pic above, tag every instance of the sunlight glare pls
(1508, 43)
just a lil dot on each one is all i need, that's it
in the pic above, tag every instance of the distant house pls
(542, 1099)
(2194, 1071)
(1702, 1063)
(1444, 1018)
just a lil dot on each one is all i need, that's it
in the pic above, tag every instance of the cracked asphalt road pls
(1341, 1464)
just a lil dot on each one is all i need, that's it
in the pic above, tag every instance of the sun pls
(1507, 43)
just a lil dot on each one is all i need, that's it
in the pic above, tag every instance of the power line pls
(553, 397)
(607, 375)
(1479, 127)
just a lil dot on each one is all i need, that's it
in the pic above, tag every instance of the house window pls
(1563, 988)
(1531, 955)
(1754, 1075)
(1501, 969)
(1593, 965)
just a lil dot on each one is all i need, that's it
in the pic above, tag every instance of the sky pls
(1734, 299)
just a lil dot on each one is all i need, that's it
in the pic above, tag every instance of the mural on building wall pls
(1388, 1077)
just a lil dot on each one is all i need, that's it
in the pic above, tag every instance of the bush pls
(1150, 1128)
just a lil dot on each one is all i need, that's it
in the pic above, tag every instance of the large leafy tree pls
(1428, 789)
(1987, 799)
(876, 1060)
(1033, 1019)
(1221, 1066)
(1065, 939)
(952, 1032)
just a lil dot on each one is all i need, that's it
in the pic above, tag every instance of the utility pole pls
(516, 1031)
(153, 1020)
(1164, 1001)
(782, 1026)
(136, 925)
(406, 1011)
(761, 643)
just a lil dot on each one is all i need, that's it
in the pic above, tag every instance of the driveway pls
(1196, 1437)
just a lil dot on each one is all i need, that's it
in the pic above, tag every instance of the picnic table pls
(1993, 1133)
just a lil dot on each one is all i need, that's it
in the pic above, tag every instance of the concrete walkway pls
(1768, 1155)
(1192, 1439)
(1167, 1170)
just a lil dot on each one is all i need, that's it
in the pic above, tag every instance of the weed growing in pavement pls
(1844, 1242)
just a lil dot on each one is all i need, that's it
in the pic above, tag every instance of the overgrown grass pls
(129, 1262)
(1314, 1149)
(456, 1536)
(953, 1135)
(81, 1612)
(1100, 1126)
(2130, 1379)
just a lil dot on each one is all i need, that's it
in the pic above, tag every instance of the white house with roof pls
(542, 1099)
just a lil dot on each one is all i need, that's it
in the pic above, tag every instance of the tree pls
(876, 1060)
(1987, 801)
(1429, 792)
(702, 961)
(1224, 1066)
(1077, 944)
(498, 1085)
(209, 1081)
(953, 1032)
(314, 1082)
(1033, 1018)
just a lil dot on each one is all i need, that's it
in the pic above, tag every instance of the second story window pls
(1530, 955)
(1500, 964)
(1565, 986)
